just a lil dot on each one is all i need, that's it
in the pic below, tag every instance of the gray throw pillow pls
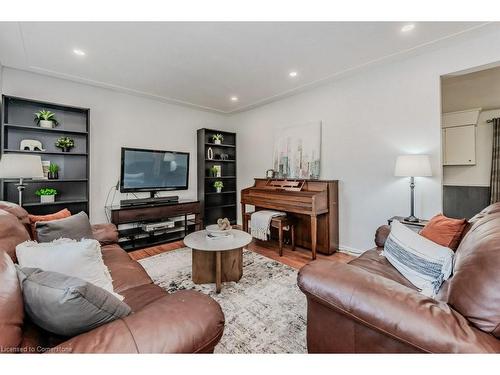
(67, 305)
(73, 227)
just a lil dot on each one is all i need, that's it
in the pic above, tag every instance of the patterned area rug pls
(265, 311)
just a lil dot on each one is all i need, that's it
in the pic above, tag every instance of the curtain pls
(495, 163)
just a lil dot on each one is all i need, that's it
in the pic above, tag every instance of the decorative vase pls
(210, 153)
(217, 141)
(53, 175)
(46, 124)
(66, 149)
(219, 189)
(47, 198)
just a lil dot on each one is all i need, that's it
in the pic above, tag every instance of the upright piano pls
(312, 204)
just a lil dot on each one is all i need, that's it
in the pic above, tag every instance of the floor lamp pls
(20, 167)
(413, 166)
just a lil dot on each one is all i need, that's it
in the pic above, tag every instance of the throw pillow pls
(36, 218)
(67, 305)
(424, 263)
(74, 227)
(82, 259)
(12, 233)
(444, 231)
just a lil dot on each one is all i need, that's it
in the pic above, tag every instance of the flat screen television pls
(153, 170)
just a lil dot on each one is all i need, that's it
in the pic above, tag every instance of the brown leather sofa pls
(181, 322)
(367, 306)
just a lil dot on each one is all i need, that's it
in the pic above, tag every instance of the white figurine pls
(31, 145)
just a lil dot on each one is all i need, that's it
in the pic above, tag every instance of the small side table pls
(416, 227)
(217, 260)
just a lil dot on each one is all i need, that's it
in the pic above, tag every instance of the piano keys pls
(312, 204)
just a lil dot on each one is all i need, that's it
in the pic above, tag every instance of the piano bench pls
(282, 223)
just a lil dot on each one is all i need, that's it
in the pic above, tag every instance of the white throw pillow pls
(82, 259)
(423, 262)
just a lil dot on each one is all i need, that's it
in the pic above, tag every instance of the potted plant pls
(53, 171)
(65, 143)
(47, 195)
(218, 185)
(217, 139)
(213, 171)
(46, 119)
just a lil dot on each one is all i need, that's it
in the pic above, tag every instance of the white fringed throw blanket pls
(260, 223)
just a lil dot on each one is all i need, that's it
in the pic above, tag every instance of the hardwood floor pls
(295, 259)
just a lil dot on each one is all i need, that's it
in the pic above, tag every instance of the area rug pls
(265, 311)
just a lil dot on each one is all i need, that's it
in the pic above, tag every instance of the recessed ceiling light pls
(234, 98)
(293, 74)
(408, 27)
(78, 52)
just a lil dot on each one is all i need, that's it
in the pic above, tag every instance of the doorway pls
(470, 103)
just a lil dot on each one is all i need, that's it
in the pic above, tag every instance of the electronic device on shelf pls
(160, 225)
(148, 201)
(153, 170)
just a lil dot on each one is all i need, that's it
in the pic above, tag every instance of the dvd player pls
(146, 201)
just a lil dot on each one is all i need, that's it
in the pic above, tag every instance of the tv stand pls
(129, 219)
(150, 200)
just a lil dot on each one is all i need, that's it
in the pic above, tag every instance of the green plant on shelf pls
(65, 143)
(213, 171)
(45, 118)
(53, 168)
(45, 192)
(218, 185)
(218, 138)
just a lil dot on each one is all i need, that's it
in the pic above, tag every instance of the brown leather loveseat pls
(367, 306)
(181, 322)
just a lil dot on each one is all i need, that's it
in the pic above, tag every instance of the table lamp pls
(21, 166)
(412, 166)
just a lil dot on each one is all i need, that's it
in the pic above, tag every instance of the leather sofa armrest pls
(182, 322)
(392, 309)
(381, 235)
(106, 234)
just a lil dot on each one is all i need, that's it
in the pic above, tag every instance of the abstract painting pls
(297, 151)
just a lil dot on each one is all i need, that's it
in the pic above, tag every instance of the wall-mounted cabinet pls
(459, 145)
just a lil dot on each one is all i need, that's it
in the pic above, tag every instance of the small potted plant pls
(53, 171)
(46, 119)
(65, 143)
(218, 185)
(47, 195)
(217, 139)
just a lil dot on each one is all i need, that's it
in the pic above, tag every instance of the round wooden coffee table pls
(217, 260)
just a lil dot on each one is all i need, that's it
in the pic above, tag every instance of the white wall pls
(368, 119)
(117, 120)
(478, 174)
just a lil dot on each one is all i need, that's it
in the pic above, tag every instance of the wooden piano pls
(313, 204)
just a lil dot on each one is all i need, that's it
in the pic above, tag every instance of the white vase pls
(47, 198)
(219, 189)
(46, 124)
(217, 141)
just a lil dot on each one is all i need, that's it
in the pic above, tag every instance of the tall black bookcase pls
(73, 182)
(217, 205)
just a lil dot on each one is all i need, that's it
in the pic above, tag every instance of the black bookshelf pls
(217, 205)
(74, 166)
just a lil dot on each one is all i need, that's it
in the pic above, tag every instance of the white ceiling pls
(204, 64)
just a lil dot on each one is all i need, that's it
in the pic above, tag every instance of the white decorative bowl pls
(214, 230)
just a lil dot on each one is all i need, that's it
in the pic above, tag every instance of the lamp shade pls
(21, 166)
(413, 166)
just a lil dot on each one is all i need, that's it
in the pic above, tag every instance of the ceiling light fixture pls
(293, 74)
(408, 27)
(234, 98)
(78, 52)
